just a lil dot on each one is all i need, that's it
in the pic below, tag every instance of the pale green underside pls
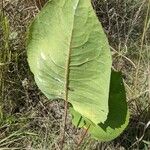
(71, 25)
(118, 116)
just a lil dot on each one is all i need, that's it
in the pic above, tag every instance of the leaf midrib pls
(67, 70)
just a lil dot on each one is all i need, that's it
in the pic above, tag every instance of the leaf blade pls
(69, 55)
(118, 117)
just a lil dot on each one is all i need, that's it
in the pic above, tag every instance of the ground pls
(29, 121)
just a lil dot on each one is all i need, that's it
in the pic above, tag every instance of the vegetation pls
(30, 121)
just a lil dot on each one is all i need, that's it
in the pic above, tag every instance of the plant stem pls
(83, 136)
(66, 87)
(64, 126)
(67, 71)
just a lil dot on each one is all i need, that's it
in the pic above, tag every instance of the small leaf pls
(118, 116)
(70, 58)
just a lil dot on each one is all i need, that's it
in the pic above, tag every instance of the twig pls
(83, 136)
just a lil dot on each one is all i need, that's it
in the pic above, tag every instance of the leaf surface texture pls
(70, 58)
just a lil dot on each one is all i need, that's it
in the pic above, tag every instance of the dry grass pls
(29, 121)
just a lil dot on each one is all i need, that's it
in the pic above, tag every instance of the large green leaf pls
(69, 56)
(118, 116)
